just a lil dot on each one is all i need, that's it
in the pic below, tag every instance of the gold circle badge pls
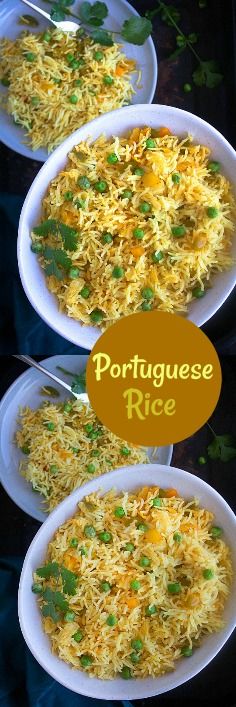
(153, 378)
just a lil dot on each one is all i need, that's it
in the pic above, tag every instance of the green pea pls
(50, 426)
(126, 673)
(118, 272)
(144, 207)
(198, 292)
(75, 65)
(74, 542)
(37, 588)
(137, 644)
(138, 171)
(208, 574)
(175, 178)
(30, 56)
(202, 461)
(119, 512)
(70, 58)
(105, 587)
(142, 526)
(105, 536)
(147, 293)
(129, 547)
(111, 620)
(67, 407)
(151, 610)
(86, 660)
(216, 532)
(96, 316)
(177, 537)
(178, 231)
(112, 158)
(135, 585)
(135, 658)
(126, 194)
(156, 502)
(144, 561)
(73, 273)
(174, 587)
(73, 99)
(146, 306)
(89, 531)
(186, 651)
(69, 616)
(214, 166)
(46, 37)
(84, 182)
(78, 82)
(212, 212)
(98, 56)
(91, 468)
(95, 453)
(81, 62)
(108, 80)
(85, 292)
(138, 233)
(68, 196)
(157, 256)
(36, 247)
(89, 427)
(35, 101)
(187, 88)
(53, 469)
(93, 435)
(107, 238)
(125, 451)
(150, 143)
(100, 186)
(77, 636)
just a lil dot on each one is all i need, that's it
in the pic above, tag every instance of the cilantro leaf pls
(93, 14)
(55, 604)
(170, 14)
(56, 257)
(51, 569)
(57, 13)
(69, 236)
(46, 227)
(102, 36)
(136, 30)
(69, 580)
(50, 610)
(79, 383)
(207, 74)
(222, 447)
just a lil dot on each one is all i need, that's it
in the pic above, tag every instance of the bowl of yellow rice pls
(127, 589)
(135, 211)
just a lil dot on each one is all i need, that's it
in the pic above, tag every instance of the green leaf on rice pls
(103, 37)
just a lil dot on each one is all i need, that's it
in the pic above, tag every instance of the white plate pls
(25, 391)
(126, 479)
(119, 10)
(118, 122)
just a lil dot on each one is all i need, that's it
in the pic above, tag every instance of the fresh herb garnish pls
(79, 380)
(93, 14)
(69, 236)
(102, 36)
(56, 258)
(136, 30)
(222, 447)
(206, 72)
(54, 605)
(51, 569)
(45, 228)
(69, 581)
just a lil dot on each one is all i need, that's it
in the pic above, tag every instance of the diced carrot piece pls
(46, 86)
(185, 527)
(134, 135)
(164, 131)
(150, 179)
(132, 602)
(182, 166)
(120, 70)
(171, 493)
(64, 454)
(70, 562)
(137, 251)
(153, 536)
(144, 492)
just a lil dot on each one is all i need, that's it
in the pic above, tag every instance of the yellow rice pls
(185, 263)
(180, 620)
(58, 461)
(54, 117)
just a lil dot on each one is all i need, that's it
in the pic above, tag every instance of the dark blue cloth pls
(21, 329)
(23, 682)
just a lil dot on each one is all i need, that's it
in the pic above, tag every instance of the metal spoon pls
(65, 26)
(27, 359)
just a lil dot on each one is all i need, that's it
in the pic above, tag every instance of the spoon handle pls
(30, 361)
(40, 11)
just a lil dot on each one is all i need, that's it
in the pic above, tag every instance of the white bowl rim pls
(145, 110)
(69, 504)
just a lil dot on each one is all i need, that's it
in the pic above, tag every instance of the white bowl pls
(25, 391)
(125, 479)
(116, 123)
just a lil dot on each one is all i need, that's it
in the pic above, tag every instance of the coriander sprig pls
(135, 30)
(207, 72)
